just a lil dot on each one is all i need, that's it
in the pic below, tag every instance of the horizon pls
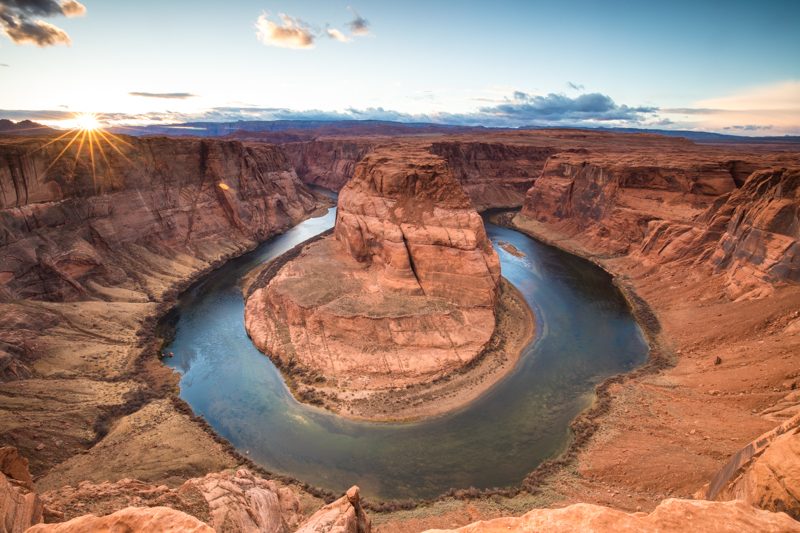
(506, 64)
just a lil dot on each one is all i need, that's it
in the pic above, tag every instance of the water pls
(585, 333)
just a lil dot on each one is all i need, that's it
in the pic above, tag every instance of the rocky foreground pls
(704, 239)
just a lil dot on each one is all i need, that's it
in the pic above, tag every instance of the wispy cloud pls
(292, 32)
(333, 33)
(288, 32)
(19, 22)
(170, 96)
(359, 25)
(4, 65)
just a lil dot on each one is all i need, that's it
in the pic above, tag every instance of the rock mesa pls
(404, 291)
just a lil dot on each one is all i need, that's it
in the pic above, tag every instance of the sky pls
(728, 66)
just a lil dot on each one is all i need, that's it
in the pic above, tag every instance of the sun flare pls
(87, 122)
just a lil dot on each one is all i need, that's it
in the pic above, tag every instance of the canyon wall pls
(326, 163)
(690, 211)
(403, 292)
(75, 226)
(494, 174)
(89, 255)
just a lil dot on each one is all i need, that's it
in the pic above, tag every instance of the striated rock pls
(403, 292)
(70, 230)
(671, 515)
(345, 515)
(327, 163)
(89, 252)
(494, 174)
(20, 506)
(761, 241)
(130, 519)
(688, 211)
(229, 501)
(765, 473)
(243, 502)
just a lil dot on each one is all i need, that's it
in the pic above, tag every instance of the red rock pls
(130, 519)
(403, 292)
(671, 516)
(20, 507)
(345, 515)
(765, 473)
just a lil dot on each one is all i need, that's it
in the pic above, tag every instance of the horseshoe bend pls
(370, 267)
(402, 294)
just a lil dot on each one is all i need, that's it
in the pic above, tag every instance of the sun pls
(87, 122)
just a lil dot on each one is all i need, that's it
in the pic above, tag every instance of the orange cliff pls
(402, 293)
(92, 250)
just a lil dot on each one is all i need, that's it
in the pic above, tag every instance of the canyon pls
(702, 240)
(401, 295)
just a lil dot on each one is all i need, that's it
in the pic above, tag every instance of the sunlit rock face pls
(404, 291)
(671, 516)
(104, 215)
(765, 473)
(678, 207)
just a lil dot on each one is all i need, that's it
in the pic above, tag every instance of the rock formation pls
(402, 293)
(345, 515)
(224, 502)
(494, 174)
(79, 227)
(327, 163)
(91, 245)
(133, 519)
(765, 473)
(20, 506)
(686, 211)
(671, 516)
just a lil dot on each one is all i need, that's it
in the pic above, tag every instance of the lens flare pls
(87, 122)
(87, 131)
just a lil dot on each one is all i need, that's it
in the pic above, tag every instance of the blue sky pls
(711, 65)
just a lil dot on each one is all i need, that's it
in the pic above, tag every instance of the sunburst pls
(86, 130)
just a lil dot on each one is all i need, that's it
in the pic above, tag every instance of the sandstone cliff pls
(688, 211)
(765, 473)
(76, 225)
(403, 292)
(327, 163)
(20, 506)
(494, 174)
(89, 254)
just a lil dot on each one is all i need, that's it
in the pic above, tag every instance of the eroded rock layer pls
(93, 238)
(689, 211)
(404, 291)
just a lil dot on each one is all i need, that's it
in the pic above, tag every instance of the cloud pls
(41, 114)
(554, 108)
(333, 33)
(18, 22)
(749, 127)
(171, 96)
(288, 33)
(575, 86)
(359, 25)
(4, 65)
